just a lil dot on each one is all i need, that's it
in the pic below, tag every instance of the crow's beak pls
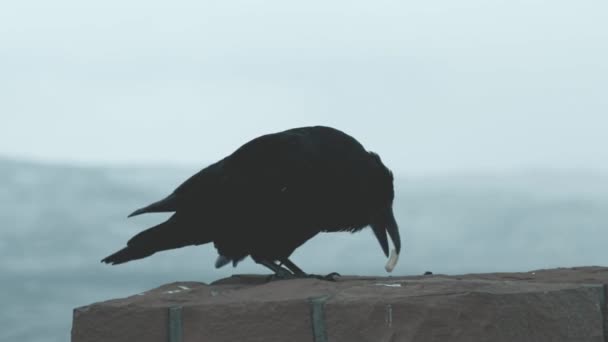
(385, 222)
(393, 230)
(380, 233)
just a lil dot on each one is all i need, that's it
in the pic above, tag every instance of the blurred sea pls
(57, 222)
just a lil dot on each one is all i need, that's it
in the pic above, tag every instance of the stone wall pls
(545, 305)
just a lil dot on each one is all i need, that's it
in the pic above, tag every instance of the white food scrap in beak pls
(392, 261)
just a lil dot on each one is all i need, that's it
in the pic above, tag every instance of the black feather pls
(167, 204)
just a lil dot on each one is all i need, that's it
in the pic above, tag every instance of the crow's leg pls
(292, 267)
(279, 272)
(301, 274)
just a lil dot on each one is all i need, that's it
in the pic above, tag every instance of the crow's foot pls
(288, 275)
(329, 277)
(281, 274)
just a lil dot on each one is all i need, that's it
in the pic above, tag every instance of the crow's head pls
(382, 218)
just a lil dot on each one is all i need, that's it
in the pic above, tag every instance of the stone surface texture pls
(565, 304)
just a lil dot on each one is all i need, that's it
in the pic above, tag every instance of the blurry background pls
(492, 115)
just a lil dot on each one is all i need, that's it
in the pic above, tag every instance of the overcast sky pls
(430, 85)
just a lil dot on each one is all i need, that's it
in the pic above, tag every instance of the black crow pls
(270, 196)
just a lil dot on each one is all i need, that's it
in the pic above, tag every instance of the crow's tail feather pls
(165, 205)
(127, 254)
(167, 235)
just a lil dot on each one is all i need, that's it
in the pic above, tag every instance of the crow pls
(272, 195)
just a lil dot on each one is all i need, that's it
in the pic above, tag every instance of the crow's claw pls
(329, 277)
